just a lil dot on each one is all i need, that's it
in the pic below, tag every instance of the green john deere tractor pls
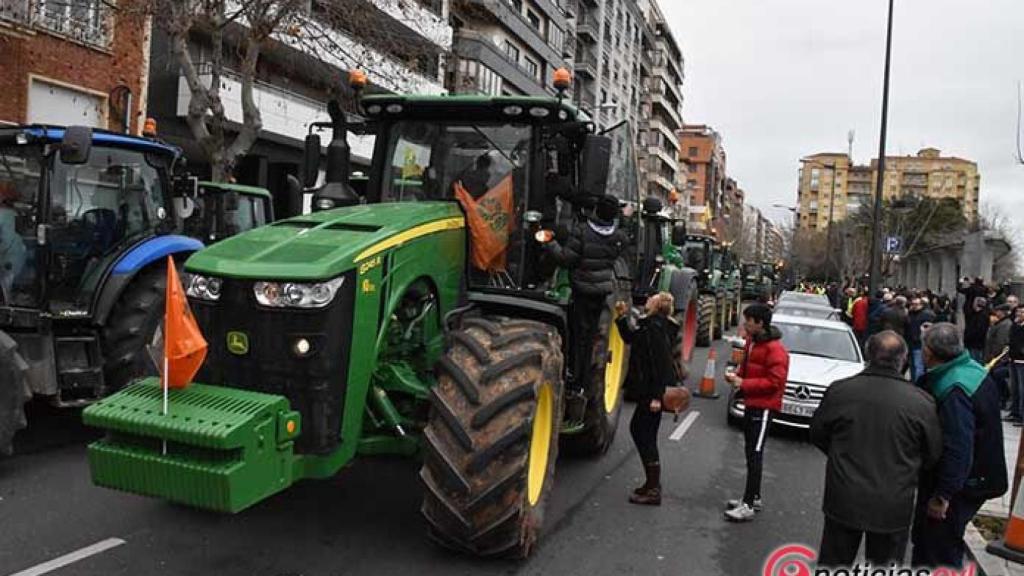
(366, 329)
(717, 302)
(732, 283)
(758, 281)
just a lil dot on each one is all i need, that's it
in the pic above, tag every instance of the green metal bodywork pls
(240, 188)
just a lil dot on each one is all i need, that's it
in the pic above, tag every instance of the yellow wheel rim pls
(540, 444)
(615, 371)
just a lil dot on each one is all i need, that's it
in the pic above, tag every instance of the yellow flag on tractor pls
(490, 223)
(184, 345)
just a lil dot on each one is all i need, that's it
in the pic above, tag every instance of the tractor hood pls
(325, 244)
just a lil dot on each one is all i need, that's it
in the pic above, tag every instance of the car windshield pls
(819, 312)
(818, 341)
(804, 298)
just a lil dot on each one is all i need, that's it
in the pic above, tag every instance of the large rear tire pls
(609, 363)
(14, 393)
(491, 440)
(134, 324)
(705, 320)
(722, 318)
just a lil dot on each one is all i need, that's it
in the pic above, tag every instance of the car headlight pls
(202, 287)
(296, 294)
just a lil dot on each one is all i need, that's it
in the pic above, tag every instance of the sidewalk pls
(989, 564)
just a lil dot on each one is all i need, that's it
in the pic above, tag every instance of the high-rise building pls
(609, 50)
(661, 105)
(509, 47)
(832, 187)
(702, 152)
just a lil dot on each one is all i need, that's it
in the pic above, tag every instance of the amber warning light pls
(563, 79)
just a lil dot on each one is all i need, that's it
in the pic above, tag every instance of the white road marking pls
(677, 434)
(80, 554)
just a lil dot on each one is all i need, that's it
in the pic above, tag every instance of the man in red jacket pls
(760, 381)
(860, 316)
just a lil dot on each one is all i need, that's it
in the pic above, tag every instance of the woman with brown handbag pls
(652, 338)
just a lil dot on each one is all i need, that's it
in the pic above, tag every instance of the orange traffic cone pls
(1011, 545)
(707, 383)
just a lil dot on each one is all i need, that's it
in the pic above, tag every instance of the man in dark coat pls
(919, 316)
(973, 467)
(976, 329)
(590, 254)
(879, 432)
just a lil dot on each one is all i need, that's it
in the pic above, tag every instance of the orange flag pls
(184, 345)
(490, 223)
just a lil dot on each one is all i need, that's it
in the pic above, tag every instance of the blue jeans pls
(916, 364)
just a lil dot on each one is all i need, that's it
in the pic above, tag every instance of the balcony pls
(588, 30)
(472, 45)
(516, 23)
(586, 64)
(88, 23)
(424, 17)
(16, 11)
(586, 99)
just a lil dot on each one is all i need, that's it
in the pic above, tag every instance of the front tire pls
(133, 325)
(491, 440)
(14, 393)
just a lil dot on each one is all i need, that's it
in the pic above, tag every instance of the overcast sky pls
(781, 79)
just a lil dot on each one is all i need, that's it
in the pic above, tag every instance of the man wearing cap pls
(590, 253)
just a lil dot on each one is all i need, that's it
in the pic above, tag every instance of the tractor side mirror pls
(679, 234)
(311, 160)
(76, 145)
(594, 162)
(186, 186)
(295, 196)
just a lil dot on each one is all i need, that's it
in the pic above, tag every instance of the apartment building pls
(661, 116)
(510, 47)
(402, 46)
(73, 62)
(609, 53)
(831, 187)
(702, 152)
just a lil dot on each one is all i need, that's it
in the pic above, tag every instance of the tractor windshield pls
(751, 271)
(95, 210)
(697, 256)
(483, 166)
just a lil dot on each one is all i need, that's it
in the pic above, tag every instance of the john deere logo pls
(238, 343)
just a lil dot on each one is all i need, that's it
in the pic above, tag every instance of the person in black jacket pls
(973, 467)
(652, 339)
(920, 315)
(1015, 361)
(879, 432)
(590, 253)
(976, 329)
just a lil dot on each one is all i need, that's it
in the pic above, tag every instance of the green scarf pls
(961, 371)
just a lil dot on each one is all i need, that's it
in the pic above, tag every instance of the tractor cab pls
(220, 210)
(66, 216)
(701, 253)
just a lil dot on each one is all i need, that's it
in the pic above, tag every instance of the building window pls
(532, 68)
(511, 51)
(63, 105)
(556, 37)
(692, 153)
(83, 20)
(534, 19)
(517, 4)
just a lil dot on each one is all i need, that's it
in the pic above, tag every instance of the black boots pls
(650, 493)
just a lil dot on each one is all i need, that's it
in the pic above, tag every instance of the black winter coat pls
(914, 322)
(976, 330)
(591, 257)
(1016, 343)
(651, 340)
(879, 431)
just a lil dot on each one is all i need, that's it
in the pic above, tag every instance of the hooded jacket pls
(764, 370)
(973, 464)
(651, 340)
(590, 254)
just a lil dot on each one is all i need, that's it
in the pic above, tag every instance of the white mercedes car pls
(820, 352)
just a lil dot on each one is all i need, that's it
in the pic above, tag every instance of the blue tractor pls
(87, 220)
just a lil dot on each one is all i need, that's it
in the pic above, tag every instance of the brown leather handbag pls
(676, 399)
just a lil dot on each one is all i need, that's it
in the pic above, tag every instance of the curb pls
(988, 564)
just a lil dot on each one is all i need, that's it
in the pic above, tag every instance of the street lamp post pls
(828, 232)
(876, 231)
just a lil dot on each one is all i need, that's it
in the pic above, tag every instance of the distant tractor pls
(422, 318)
(758, 281)
(718, 303)
(220, 210)
(732, 283)
(87, 220)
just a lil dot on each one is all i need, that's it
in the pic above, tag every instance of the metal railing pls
(86, 21)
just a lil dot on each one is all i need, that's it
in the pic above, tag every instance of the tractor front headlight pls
(201, 287)
(297, 294)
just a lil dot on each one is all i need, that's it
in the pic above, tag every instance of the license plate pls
(794, 409)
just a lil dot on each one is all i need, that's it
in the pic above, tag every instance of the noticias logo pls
(799, 560)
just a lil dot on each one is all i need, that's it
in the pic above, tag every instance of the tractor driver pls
(12, 247)
(589, 253)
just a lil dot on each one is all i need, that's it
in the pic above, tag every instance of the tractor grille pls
(314, 385)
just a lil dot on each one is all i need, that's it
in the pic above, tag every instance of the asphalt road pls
(366, 520)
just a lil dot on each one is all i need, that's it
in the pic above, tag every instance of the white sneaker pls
(730, 504)
(741, 513)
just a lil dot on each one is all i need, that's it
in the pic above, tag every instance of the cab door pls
(21, 269)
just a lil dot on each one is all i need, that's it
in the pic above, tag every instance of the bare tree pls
(1007, 265)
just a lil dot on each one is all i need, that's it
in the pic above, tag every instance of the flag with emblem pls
(184, 345)
(490, 223)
